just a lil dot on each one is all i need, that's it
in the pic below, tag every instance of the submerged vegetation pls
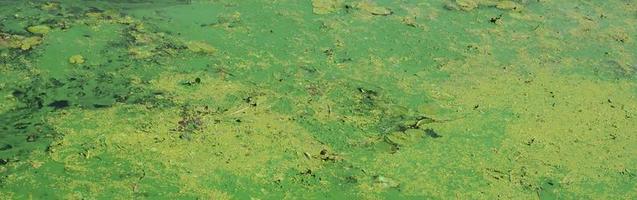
(321, 99)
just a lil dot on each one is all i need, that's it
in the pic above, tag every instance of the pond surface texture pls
(318, 99)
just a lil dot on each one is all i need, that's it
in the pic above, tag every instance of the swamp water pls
(320, 99)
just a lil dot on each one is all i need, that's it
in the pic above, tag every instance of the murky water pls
(321, 99)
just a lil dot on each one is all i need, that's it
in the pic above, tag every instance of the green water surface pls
(318, 99)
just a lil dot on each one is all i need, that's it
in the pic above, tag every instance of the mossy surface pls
(321, 99)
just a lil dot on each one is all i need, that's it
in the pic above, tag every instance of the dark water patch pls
(84, 90)
(24, 131)
(431, 133)
(6, 147)
(59, 104)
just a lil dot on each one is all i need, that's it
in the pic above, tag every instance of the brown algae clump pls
(76, 59)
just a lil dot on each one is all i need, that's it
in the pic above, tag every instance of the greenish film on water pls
(318, 99)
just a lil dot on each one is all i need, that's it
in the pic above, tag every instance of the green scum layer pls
(321, 99)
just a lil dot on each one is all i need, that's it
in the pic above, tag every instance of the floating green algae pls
(321, 99)
(39, 29)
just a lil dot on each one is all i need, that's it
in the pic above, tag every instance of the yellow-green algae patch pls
(468, 5)
(39, 29)
(316, 99)
(152, 140)
(373, 8)
(76, 59)
(200, 47)
(326, 6)
(508, 5)
(189, 144)
(19, 42)
(558, 124)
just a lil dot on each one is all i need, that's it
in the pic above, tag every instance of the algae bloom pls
(39, 29)
(76, 59)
